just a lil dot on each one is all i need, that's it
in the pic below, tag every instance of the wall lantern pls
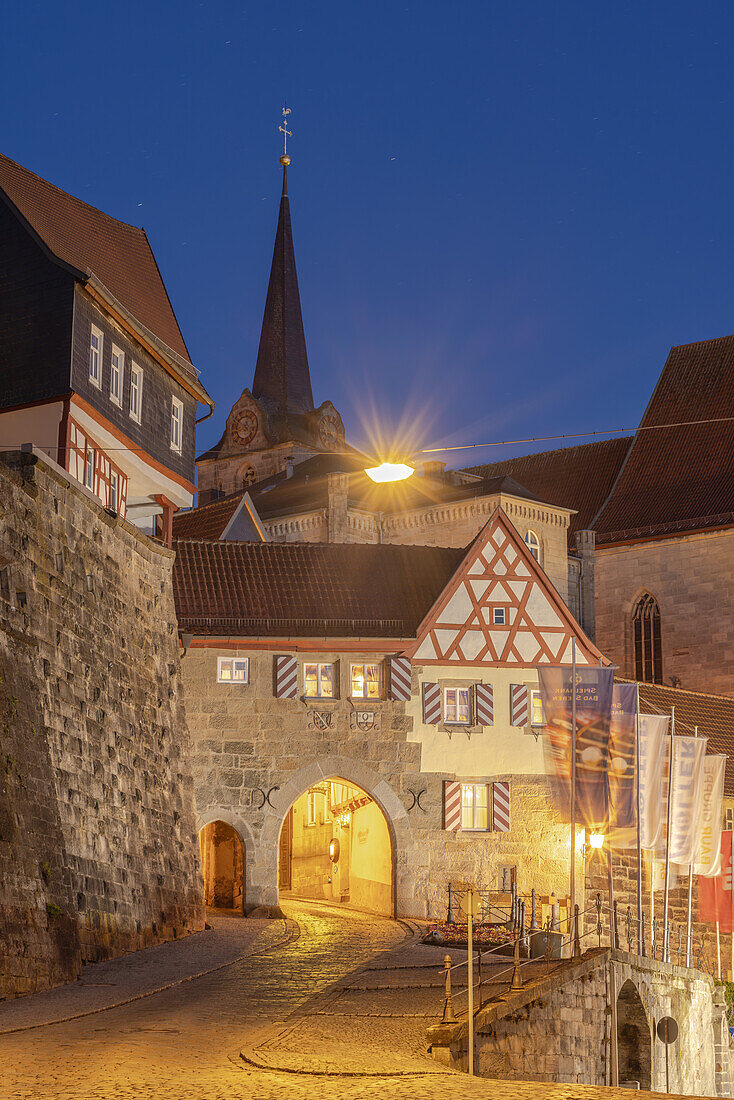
(596, 840)
(334, 850)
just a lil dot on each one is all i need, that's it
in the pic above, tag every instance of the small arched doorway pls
(634, 1043)
(336, 846)
(222, 867)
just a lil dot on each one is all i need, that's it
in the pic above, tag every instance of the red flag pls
(715, 896)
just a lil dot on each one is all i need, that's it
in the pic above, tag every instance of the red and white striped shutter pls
(286, 677)
(399, 678)
(501, 807)
(451, 805)
(431, 704)
(519, 705)
(484, 696)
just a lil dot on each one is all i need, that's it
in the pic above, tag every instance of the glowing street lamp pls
(596, 840)
(390, 471)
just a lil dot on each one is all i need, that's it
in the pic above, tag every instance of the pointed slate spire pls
(282, 380)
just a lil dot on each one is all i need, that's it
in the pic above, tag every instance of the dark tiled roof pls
(80, 235)
(679, 478)
(207, 522)
(713, 714)
(307, 589)
(572, 477)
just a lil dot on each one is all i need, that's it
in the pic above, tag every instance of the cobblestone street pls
(275, 1005)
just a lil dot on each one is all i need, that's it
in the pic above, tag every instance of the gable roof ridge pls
(682, 691)
(622, 434)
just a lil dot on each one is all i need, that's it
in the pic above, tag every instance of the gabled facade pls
(95, 371)
(315, 665)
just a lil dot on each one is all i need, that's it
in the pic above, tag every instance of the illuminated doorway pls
(222, 867)
(335, 845)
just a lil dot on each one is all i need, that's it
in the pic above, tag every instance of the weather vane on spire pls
(285, 159)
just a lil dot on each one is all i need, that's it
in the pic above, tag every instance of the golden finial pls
(285, 159)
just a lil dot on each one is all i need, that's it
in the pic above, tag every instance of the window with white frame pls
(233, 670)
(365, 680)
(312, 808)
(533, 544)
(89, 469)
(318, 681)
(136, 393)
(176, 423)
(475, 806)
(457, 706)
(95, 357)
(498, 616)
(114, 491)
(117, 372)
(536, 708)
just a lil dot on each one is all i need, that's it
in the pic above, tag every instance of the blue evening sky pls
(504, 213)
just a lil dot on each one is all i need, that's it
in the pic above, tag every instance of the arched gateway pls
(634, 1043)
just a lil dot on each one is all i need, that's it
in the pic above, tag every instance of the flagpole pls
(639, 831)
(666, 937)
(690, 898)
(573, 782)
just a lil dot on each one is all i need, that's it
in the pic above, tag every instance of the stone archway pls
(634, 1041)
(222, 866)
(265, 872)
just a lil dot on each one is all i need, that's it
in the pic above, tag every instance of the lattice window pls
(646, 640)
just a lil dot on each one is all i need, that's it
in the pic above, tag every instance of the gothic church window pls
(533, 544)
(646, 640)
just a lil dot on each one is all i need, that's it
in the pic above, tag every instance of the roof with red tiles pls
(712, 714)
(89, 241)
(679, 478)
(572, 477)
(307, 589)
(207, 522)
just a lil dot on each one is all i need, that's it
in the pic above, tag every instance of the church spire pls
(282, 380)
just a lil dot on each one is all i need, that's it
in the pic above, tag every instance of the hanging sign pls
(687, 763)
(708, 856)
(593, 693)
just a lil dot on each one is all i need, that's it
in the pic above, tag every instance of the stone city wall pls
(97, 837)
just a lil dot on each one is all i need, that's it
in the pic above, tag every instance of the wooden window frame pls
(177, 408)
(474, 828)
(119, 370)
(136, 383)
(499, 611)
(95, 354)
(91, 452)
(535, 697)
(319, 665)
(233, 661)
(538, 543)
(457, 721)
(363, 665)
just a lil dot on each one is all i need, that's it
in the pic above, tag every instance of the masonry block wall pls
(97, 852)
(690, 577)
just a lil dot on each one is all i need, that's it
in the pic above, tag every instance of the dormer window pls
(95, 357)
(117, 372)
(176, 424)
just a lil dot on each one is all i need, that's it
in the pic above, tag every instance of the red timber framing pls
(500, 610)
(109, 483)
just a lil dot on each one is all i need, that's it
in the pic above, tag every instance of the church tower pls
(275, 424)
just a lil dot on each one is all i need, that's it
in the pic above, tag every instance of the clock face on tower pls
(244, 428)
(329, 431)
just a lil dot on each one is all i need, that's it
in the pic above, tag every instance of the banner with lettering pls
(708, 856)
(593, 691)
(622, 753)
(687, 763)
(653, 733)
(715, 894)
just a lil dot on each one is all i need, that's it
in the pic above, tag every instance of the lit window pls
(365, 681)
(318, 681)
(176, 423)
(474, 806)
(536, 709)
(114, 491)
(89, 469)
(312, 817)
(136, 392)
(533, 544)
(117, 372)
(95, 357)
(233, 670)
(498, 616)
(457, 706)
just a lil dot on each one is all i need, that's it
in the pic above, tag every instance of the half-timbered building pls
(95, 371)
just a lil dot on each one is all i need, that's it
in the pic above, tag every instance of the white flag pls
(653, 729)
(708, 856)
(688, 754)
